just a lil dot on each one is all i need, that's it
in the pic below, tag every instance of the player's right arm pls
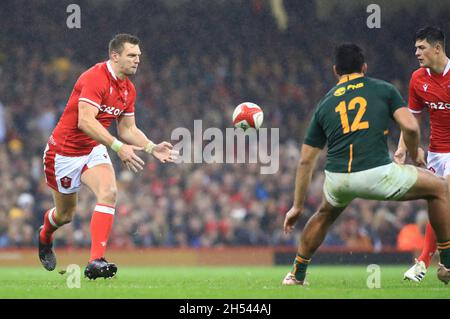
(415, 105)
(305, 168)
(315, 141)
(410, 133)
(88, 123)
(400, 153)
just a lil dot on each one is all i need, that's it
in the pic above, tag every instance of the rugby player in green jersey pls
(352, 120)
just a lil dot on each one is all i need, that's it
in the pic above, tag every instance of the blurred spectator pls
(2, 123)
(354, 235)
(410, 237)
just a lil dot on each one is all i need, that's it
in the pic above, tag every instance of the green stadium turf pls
(220, 282)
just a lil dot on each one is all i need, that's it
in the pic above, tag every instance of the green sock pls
(444, 255)
(299, 269)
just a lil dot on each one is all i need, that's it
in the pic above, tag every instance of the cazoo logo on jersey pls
(111, 110)
(438, 105)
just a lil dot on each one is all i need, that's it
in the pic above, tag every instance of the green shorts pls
(387, 182)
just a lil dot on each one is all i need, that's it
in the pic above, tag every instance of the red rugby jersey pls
(432, 91)
(100, 88)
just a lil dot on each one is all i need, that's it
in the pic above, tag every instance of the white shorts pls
(387, 182)
(439, 163)
(63, 173)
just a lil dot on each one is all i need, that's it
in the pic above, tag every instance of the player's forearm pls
(134, 136)
(401, 142)
(302, 182)
(411, 139)
(96, 131)
(411, 135)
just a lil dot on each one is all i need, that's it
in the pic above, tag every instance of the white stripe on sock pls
(50, 217)
(105, 209)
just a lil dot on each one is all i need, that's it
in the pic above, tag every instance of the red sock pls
(101, 224)
(429, 247)
(50, 225)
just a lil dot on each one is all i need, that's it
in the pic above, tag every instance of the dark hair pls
(116, 43)
(348, 58)
(431, 34)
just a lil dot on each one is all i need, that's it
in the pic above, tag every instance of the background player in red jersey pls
(76, 151)
(430, 88)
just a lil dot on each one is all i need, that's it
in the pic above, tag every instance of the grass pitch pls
(220, 282)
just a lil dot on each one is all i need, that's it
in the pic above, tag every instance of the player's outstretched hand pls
(291, 218)
(164, 152)
(129, 158)
(400, 156)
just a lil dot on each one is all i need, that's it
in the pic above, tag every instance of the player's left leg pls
(418, 271)
(429, 246)
(435, 190)
(443, 272)
(439, 163)
(54, 218)
(101, 181)
(311, 238)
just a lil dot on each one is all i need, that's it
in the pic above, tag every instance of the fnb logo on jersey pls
(438, 105)
(355, 86)
(341, 91)
(111, 110)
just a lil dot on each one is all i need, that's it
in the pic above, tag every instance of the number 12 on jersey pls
(357, 124)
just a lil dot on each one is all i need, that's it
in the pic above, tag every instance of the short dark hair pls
(116, 43)
(348, 58)
(431, 34)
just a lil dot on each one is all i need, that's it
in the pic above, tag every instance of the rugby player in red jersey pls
(76, 152)
(429, 88)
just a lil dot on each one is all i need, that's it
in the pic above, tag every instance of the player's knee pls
(440, 188)
(428, 186)
(443, 187)
(108, 195)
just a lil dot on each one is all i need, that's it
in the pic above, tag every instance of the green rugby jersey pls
(353, 118)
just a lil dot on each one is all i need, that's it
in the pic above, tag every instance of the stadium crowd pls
(209, 59)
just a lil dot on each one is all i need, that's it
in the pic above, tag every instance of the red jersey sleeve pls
(129, 111)
(415, 104)
(92, 89)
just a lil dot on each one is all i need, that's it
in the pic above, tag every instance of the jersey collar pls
(349, 77)
(447, 68)
(110, 69)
